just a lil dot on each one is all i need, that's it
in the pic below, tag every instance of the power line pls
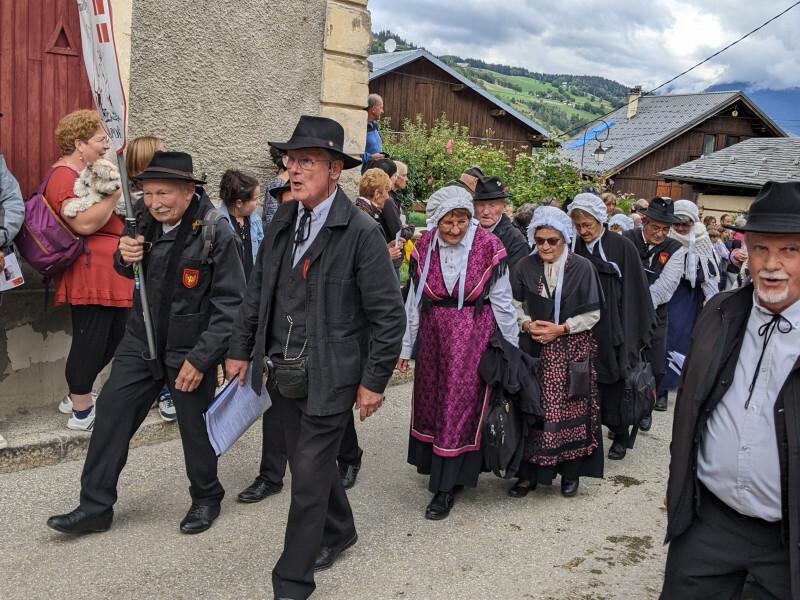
(702, 62)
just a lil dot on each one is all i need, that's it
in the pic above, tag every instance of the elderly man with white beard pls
(734, 486)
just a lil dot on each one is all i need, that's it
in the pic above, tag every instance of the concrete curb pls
(39, 438)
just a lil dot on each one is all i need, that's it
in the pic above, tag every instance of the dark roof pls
(748, 164)
(658, 120)
(381, 64)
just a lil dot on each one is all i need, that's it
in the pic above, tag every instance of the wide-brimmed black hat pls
(475, 171)
(318, 132)
(776, 209)
(174, 166)
(490, 188)
(277, 192)
(661, 210)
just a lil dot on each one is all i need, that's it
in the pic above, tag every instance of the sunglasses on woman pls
(552, 242)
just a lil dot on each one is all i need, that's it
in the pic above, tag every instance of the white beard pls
(773, 297)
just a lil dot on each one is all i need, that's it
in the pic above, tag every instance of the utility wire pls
(702, 62)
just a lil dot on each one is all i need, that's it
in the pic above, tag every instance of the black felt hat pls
(318, 132)
(776, 209)
(174, 166)
(661, 210)
(490, 188)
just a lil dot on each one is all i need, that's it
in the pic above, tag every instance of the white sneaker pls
(85, 424)
(3, 442)
(65, 406)
(166, 408)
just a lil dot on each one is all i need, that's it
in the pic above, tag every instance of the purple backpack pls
(45, 240)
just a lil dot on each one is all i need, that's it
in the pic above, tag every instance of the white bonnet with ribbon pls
(590, 203)
(554, 218)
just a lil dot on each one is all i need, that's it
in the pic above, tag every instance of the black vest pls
(654, 259)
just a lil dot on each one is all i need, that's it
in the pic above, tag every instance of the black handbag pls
(640, 392)
(290, 377)
(503, 436)
(580, 378)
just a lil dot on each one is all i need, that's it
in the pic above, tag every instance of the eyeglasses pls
(552, 242)
(306, 163)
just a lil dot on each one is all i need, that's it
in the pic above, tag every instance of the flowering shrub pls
(440, 154)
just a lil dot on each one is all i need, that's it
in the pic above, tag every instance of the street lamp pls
(600, 153)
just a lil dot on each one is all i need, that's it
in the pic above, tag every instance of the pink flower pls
(450, 146)
(430, 180)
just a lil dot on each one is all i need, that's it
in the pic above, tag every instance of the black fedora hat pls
(175, 166)
(776, 209)
(661, 210)
(318, 132)
(490, 188)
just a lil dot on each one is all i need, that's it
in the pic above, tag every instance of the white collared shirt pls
(167, 228)
(319, 215)
(662, 289)
(738, 458)
(500, 296)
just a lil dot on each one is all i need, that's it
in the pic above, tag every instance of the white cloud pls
(632, 41)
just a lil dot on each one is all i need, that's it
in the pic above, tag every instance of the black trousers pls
(657, 353)
(273, 448)
(122, 406)
(96, 333)
(319, 514)
(714, 557)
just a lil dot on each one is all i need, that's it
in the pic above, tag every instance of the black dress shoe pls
(569, 487)
(520, 491)
(442, 503)
(328, 554)
(79, 522)
(661, 403)
(259, 490)
(617, 451)
(199, 518)
(646, 423)
(349, 473)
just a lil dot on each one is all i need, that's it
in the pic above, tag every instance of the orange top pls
(91, 279)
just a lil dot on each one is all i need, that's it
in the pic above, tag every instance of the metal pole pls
(138, 270)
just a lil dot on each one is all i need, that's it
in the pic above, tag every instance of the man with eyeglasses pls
(733, 497)
(663, 262)
(322, 322)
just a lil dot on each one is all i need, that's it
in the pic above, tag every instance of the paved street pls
(605, 543)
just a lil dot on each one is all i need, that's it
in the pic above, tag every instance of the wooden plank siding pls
(640, 178)
(421, 88)
(39, 83)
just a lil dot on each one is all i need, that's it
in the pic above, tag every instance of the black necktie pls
(303, 231)
(783, 325)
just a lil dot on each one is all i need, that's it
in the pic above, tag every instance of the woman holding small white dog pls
(99, 298)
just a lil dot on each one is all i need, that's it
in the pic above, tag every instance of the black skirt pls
(446, 473)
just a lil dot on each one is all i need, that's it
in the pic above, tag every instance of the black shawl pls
(627, 321)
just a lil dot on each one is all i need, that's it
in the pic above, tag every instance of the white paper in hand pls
(233, 412)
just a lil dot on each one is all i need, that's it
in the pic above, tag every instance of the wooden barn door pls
(42, 78)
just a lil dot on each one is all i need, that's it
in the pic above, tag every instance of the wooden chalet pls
(415, 82)
(652, 134)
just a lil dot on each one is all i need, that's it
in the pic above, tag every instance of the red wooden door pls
(42, 78)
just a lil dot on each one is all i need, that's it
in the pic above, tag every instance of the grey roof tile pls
(749, 164)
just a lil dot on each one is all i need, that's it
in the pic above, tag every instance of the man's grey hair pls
(373, 99)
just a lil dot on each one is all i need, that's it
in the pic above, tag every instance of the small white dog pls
(97, 181)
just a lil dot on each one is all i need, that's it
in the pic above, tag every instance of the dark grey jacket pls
(515, 243)
(355, 318)
(12, 208)
(707, 374)
(205, 298)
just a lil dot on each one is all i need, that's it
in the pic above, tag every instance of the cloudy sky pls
(632, 41)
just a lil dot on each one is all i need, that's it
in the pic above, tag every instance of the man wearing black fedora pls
(490, 198)
(322, 321)
(662, 260)
(733, 496)
(195, 283)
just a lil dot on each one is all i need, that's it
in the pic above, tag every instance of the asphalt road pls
(605, 543)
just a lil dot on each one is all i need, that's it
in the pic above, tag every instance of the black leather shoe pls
(79, 522)
(328, 554)
(520, 491)
(569, 487)
(199, 518)
(617, 451)
(646, 423)
(661, 403)
(259, 490)
(349, 473)
(442, 504)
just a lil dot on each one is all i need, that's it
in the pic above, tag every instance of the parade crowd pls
(528, 329)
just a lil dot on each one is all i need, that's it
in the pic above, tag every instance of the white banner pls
(102, 67)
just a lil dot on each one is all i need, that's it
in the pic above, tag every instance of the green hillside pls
(558, 102)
